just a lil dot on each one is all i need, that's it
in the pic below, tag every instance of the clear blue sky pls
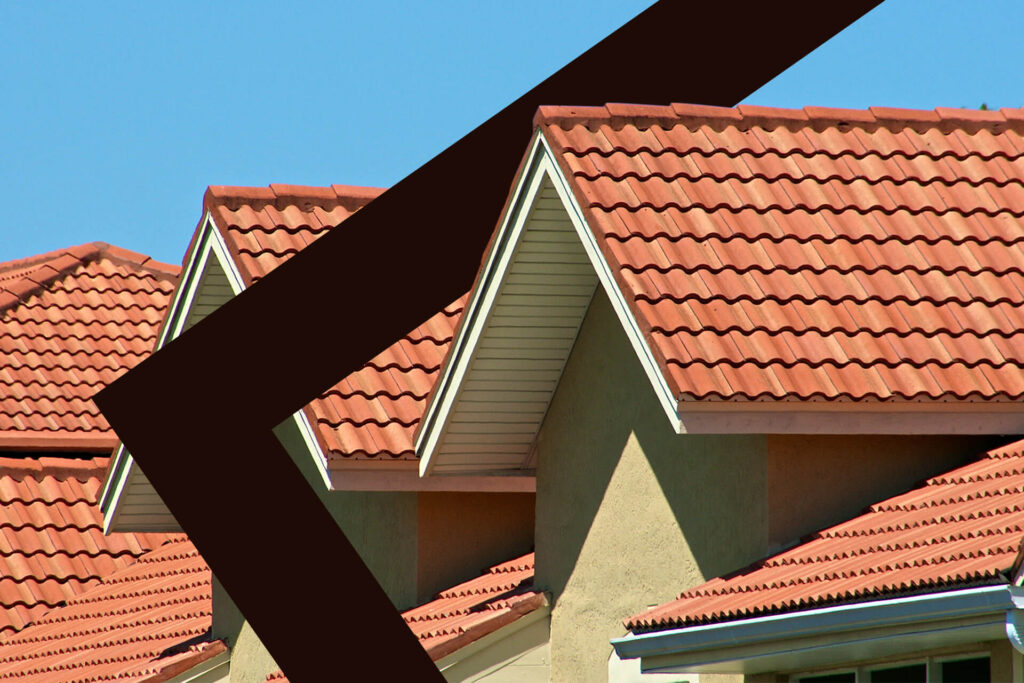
(117, 115)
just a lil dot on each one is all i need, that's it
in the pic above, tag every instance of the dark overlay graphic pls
(197, 415)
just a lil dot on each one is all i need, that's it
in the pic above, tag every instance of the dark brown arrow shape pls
(198, 414)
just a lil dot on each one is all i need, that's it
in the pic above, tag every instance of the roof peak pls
(21, 278)
(693, 116)
(282, 195)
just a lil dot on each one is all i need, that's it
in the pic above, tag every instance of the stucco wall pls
(462, 533)
(629, 513)
(821, 480)
(382, 527)
(623, 503)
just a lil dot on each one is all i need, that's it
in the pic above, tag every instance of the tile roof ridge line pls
(51, 266)
(617, 115)
(76, 251)
(134, 258)
(282, 195)
(81, 469)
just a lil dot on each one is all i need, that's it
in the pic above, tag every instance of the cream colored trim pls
(476, 312)
(214, 670)
(604, 273)
(388, 479)
(540, 166)
(849, 418)
(534, 620)
(209, 245)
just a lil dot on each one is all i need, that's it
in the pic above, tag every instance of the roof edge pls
(709, 644)
(694, 116)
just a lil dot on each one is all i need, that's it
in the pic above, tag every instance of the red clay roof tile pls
(373, 413)
(52, 545)
(959, 529)
(73, 320)
(145, 622)
(816, 254)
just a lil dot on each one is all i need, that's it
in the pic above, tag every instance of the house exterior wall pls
(815, 481)
(629, 513)
(462, 533)
(382, 527)
(622, 502)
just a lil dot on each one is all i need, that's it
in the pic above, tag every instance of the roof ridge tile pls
(694, 116)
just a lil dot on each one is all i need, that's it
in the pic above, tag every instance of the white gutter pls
(832, 633)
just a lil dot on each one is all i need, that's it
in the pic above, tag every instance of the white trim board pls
(469, 407)
(128, 501)
(837, 635)
(450, 443)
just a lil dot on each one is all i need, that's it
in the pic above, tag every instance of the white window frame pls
(933, 667)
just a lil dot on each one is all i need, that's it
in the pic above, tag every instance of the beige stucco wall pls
(382, 527)
(623, 504)
(629, 513)
(415, 544)
(821, 480)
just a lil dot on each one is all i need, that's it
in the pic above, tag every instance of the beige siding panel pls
(523, 346)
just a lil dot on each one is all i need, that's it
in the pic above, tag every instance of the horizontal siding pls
(213, 292)
(522, 350)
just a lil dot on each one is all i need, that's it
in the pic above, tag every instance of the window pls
(956, 669)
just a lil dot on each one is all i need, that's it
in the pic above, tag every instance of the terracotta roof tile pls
(145, 622)
(52, 546)
(373, 413)
(471, 610)
(959, 529)
(815, 254)
(72, 321)
(152, 618)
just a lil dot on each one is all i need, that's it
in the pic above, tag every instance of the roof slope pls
(72, 321)
(959, 529)
(143, 623)
(821, 254)
(373, 413)
(52, 546)
(471, 610)
(152, 619)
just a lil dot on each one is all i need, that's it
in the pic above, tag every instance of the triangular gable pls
(538, 278)
(776, 271)
(947, 550)
(358, 433)
(73, 320)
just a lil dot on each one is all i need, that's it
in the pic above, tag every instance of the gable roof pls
(73, 320)
(146, 622)
(813, 255)
(962, 528)
(471, 610)
(151, 620)
(371, 414)
(818, 270)
(52, 546)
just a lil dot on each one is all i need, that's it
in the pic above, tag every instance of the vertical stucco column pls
(628, 512)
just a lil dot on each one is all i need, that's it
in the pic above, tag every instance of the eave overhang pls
(536, 283)
(128, 500)
(834, 635)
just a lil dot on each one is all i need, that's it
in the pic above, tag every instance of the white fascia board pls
(313, 446)
(542, 613)
(540, 165)
(767, 643)
(604, 273)
(210, 245)
(474, 318)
